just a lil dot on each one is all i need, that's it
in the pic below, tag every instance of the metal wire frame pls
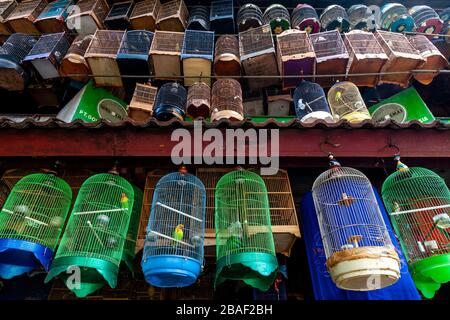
(344, 98)
(198, 44)
(255, 42)
(54, 43)
(105, 43)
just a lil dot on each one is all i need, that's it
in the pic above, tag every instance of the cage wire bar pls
(95, 234)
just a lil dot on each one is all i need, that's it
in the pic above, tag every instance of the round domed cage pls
(31, 223)
(170, 102)
(418, 202)
(310, 103)
(346, 103)
(278, 17)
(360, 255)
(95, 234)
(173, 249)
(245, 247)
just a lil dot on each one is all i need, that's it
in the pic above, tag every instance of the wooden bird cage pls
(145, 14)
(53, 18)
(101, 56)
(74, 65)
(197, 56)
(47, 54)
(173, 16)
(199, 100)
(198, 18)
(278, 102)
(278, 17)
(253, 103)
(226, 100)
(142, 102)
(258, 57)
(295, 55)
(249, 16)
(367, 57)
(331, 57)
(403, 57)
(118, 17)
(305, 18)
(226, 56)
(24, 15)
(165, 53)
(221, 17)
(434, 60)
(88, 16)
(6, 8)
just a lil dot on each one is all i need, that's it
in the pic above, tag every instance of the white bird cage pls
(145, 14)
(360, 254)
(88, 16)
(173, 16)
(6, 8)
(165, 53)
(24, 15)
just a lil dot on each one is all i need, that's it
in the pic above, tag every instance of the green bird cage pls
(245, 249)
(92, 246)
(31, 222)
(418, 202)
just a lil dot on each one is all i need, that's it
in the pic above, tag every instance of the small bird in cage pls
(56, 222)
(111, 242)
(178, 234)
(196, 241)
(236, 234)
(124, 201)
(346, 200)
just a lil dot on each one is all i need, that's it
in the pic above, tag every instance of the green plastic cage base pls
(258, 270)
(430, 273)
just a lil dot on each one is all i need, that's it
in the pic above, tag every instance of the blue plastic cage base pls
(170, 271)
(20, 256)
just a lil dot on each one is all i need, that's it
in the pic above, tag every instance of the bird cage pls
(361, 18)
(433, 57)
(118, 17)
(305, 18)
(395, 17)
(170, 102)
(278, 17)
(74, 65)
(278, 102)
(417, 200)
(129, 249)
(101, 56)
(403, 57)
(346, 103)
(47, 54)
(133, 58)
(445, 17)
(226, 100)
(359, 252)
(6, 8)
(253, 103)
(367, 58)
(198, 100)
(13, 76)
(88, 16)
(142, 102)
(24, 15)
(426, 20)
(165, 53)
(173, 249)
(295, 55)
(335, 17)
(226, 57)
(198, 18)
(221, 16)
(258, 57)
(94, 237)
(145, 14)
(31, 223)
(173, 16)
(331, 57)
(311, 103)
(245, 249)
(197, 56)
(249, 16)
(53, 18)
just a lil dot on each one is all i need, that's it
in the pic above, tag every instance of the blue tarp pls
(323, 286)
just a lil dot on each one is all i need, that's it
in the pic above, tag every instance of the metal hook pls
(389, 145)
(327, 142)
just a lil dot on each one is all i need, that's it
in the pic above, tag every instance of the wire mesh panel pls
(278, 17)
(221, 16)
(95, 234)
(367, 57)
(295, 55)
(13, 76)
(346, 103)
(6, 8)
(88, 16)
(170, 102)
(129, 249)
(361, 18)
(305, 18)
(118, 17)
(249, 16)
(395, 18)
(360, 255)
(334, 17)
(311, 103)
(403, 57)
(226, 57)
(142, 102)
(445, 17)
(426, 20)
(24, 15)
(173, 249)
(199, 100)
(31, 223)
(226, 100)
(53, 18)
(198, 18)
(166, 53)
(197, 56)
(418, 202)
(331, 57)
(245, 249)
(74, 65)
(173, 16)
(145, 14)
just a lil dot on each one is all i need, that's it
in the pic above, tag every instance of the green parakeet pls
(178, 233)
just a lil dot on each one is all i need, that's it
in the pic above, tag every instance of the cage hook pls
(114, 169)
(327, 142)
(390, 145)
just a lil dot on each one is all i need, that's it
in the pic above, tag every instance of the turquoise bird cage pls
(92, 246)
(245, 248)
(173, 248)
(31, 222)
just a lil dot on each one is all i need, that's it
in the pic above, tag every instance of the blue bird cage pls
(311, 103)
(395, 18)
(221, 17)
(197, 56)
(170, 102)
(173, 248)
(53, 18)
(198, 18)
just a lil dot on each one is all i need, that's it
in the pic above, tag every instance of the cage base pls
(317, 115)
(356, 117)
(428, 274)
